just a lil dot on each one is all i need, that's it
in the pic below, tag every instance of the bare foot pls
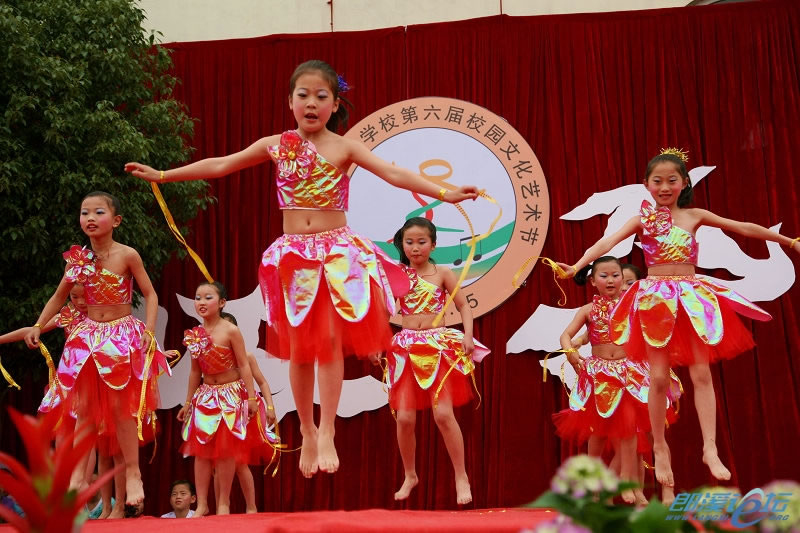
(118, 511)
(641, 501)
(326, 453)
(223, 509)
(663, 467)
(201, 511)
(628, 496)
(463, 492)
(667, 495)
(718, 470)
(250, 510)
(409, 483)
(308, 454)
(105, 513)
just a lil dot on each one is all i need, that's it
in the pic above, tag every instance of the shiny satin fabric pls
(428, 352)
(212, 358)
(116, 349)
(608, 380)
(423, 297)
(297, 264)
(68, 318)
(663, 242)
(305, 179)
(101, 286)
(213, 404)
(657, 300)
(597, 325)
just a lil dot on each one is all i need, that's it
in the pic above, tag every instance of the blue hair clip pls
(343, 86)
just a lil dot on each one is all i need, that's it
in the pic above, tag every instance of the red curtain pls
(595, 96)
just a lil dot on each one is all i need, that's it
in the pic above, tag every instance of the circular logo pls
(453, 142)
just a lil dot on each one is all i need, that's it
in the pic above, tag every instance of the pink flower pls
(68, 316)
(80, 264)
(655, 221)
(197, 340)
(295, 156)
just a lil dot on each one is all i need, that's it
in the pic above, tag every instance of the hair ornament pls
(343, 85)
(677, 152)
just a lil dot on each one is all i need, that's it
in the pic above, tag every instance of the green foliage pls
(84, 91)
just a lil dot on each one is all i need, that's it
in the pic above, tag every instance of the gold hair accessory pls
(677, 152)
(442, 192)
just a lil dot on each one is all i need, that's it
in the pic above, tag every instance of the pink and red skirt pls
(429, 365)
(694, 319)
(328, 295)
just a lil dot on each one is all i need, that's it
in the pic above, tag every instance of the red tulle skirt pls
(98, 404)
(630, 419)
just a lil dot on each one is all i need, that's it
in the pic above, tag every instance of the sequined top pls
(212, 358)
(101, 286)
(423, 297)
(305, 179)
(662, 242)
(598, 319)
(69, 317)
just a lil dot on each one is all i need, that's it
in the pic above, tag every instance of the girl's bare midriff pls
(420, 321)
(304, 221)
(107, 313)
(672, 269)
(608, 351)
(221, 378)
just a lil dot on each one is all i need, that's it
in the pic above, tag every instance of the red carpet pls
(486, 520)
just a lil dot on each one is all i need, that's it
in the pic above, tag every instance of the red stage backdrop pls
(595, 96)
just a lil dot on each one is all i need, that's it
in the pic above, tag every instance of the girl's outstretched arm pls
(748, 229)
(601, 247)
(404, 178)
(19, 334)
(212, 167)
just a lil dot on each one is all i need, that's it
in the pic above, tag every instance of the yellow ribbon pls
(544, 366)
(558, 272)
(463, 358)
(151, 350)
(277, 449)
(9, 379)
(51, 367)
(176, 232)
(153, 418)
(474, 240)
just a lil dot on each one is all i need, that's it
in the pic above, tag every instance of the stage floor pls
(485, 520)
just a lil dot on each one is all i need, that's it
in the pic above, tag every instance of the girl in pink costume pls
(673, 317)
(117, 387)
(220, 399)
(430, 366)
(326, 288)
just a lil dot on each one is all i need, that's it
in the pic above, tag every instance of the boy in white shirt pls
(181, 498)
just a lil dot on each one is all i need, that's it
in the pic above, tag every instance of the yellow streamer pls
(558, 272)
(151, 350)
(9, 379)
(463, 358)
(544, 366)
(176, 232)
(153, 418)
(51, 367)
(474, 240)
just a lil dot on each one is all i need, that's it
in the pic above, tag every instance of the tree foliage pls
(83, 91)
